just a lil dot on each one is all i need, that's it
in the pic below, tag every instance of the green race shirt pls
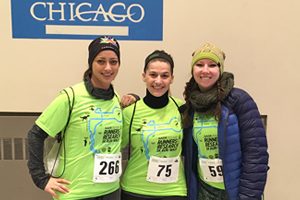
(154, 132)
(205, 135)
(95, 127)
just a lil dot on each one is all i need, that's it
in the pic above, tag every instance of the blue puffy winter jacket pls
(242, 148)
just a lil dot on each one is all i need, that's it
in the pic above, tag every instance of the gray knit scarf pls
(206, 101)
(97, 92)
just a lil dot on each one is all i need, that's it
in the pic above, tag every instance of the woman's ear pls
(143, 76)
(172, 78)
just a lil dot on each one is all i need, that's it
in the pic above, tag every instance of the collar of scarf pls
(156, 102)
(205, 101)
(98, 92)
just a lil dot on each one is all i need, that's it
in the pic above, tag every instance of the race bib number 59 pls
(107, 168)
(212, 169)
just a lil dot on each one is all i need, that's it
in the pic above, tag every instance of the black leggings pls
(207, 192)
(111, 196)
(130, 196)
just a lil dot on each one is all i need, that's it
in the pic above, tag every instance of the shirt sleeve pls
(36, 137)
(55, 116)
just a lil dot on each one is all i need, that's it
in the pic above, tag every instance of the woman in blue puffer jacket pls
(225, 145)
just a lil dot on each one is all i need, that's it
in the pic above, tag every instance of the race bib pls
(163, 170)
(107, 168)
(212, 170)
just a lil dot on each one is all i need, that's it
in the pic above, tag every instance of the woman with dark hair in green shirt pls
(152, 129)
(89, 163)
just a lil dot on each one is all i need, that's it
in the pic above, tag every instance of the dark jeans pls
(111, 196)
(131, 196)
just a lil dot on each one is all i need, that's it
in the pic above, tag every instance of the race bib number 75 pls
(163, 170)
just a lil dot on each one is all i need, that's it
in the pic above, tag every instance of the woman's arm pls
(254, 148)
(36, 138)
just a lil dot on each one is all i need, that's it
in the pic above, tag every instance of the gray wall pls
(15, 180)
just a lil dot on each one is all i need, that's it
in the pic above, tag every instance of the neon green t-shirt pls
(205, 135)
(95, 127)
(154, 132)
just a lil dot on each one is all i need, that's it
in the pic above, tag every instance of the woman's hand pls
(57, 185)
(128, 99)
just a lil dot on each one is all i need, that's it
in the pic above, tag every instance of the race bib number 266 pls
(107, 167)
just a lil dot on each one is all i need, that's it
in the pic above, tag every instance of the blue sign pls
(74, 19)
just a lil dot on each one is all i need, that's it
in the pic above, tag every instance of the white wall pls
(260, 39)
